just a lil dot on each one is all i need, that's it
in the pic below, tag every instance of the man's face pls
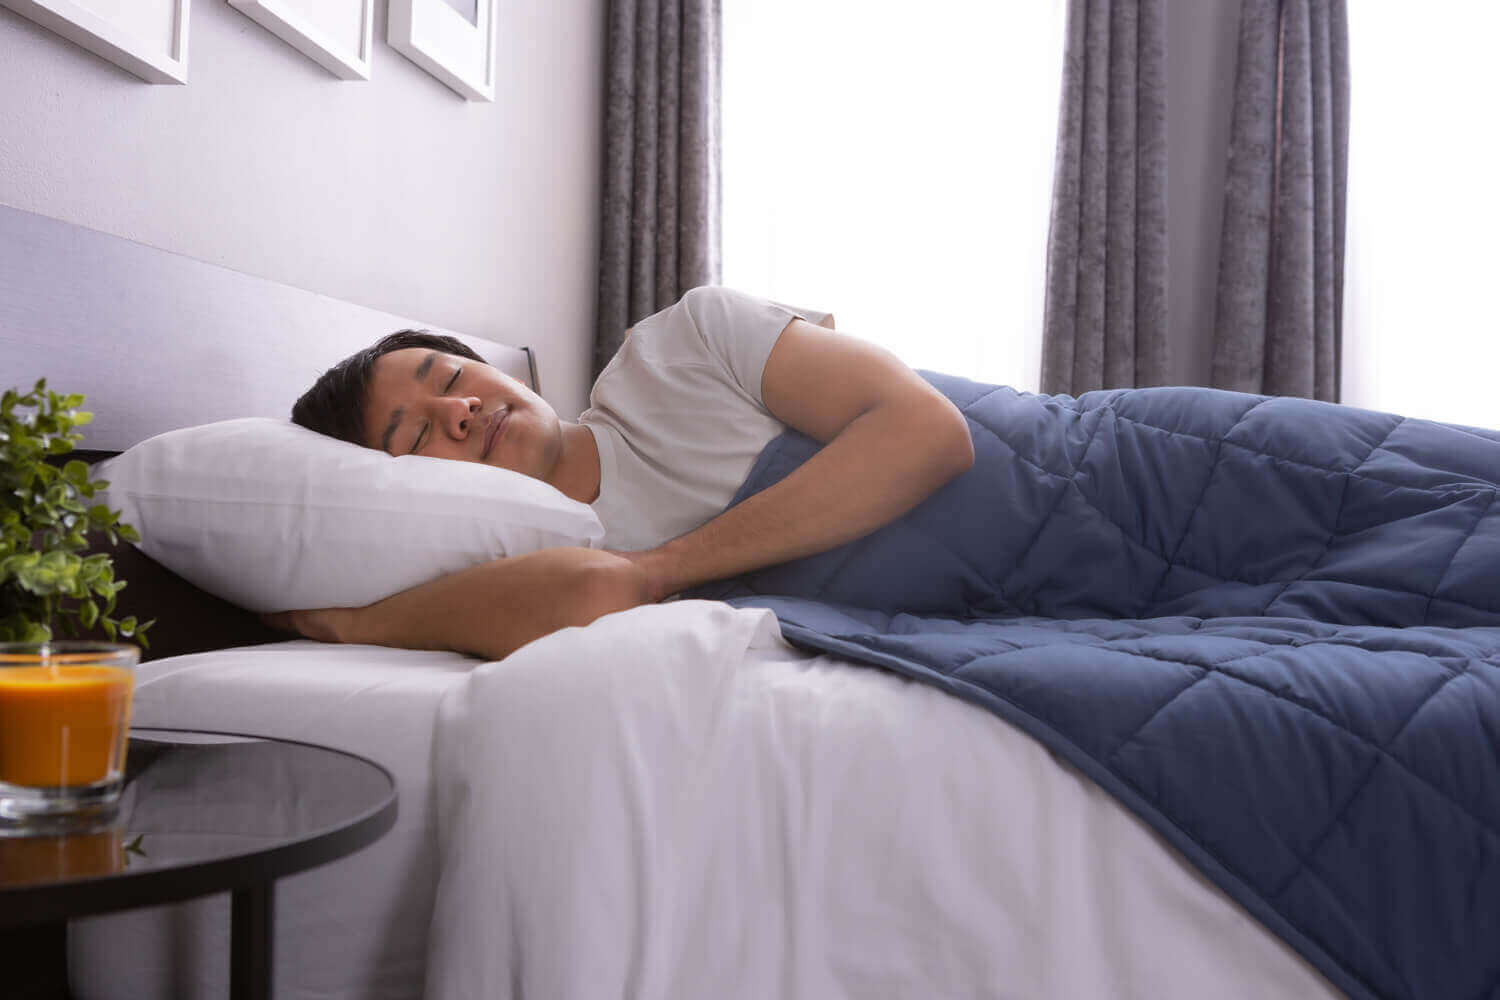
(424, 402)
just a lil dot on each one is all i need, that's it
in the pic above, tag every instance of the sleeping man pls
(675, 423)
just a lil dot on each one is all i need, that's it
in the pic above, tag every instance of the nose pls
(455, 414)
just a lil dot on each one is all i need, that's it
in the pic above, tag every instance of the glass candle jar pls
(64, 722)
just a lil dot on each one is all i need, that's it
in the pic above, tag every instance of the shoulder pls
(726, 318)
(737, 330)
(712, 327)
(714, 305)
(711, 324)
(716, 297)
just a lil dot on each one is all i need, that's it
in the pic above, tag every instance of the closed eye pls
(427, 427)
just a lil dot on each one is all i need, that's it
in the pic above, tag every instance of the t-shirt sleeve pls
(738, 329)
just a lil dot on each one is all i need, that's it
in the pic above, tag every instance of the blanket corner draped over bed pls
(1269, 626)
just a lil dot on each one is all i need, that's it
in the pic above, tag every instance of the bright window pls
(1421, 324)
(892, 163)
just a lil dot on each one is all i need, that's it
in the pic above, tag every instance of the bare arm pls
(489, 610)
(891, 440)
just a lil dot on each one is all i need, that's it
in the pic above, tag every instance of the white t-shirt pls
(678, 415)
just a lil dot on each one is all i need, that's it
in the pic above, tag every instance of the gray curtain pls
(1279, 327)
(1106, 314)
(661, 161)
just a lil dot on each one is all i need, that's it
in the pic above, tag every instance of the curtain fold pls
(1105, 319)
(661, 187)
(1279, 324)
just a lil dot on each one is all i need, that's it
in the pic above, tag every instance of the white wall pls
(394, 193)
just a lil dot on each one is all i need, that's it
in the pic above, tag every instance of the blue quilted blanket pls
(1270, 627)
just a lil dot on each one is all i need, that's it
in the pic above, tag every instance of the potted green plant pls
(48, 582)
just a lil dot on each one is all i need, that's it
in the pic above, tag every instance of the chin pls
(525, 451)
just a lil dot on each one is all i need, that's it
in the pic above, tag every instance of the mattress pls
(673, 802)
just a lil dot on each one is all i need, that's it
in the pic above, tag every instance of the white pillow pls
(272, 516)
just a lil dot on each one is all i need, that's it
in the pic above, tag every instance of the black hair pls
(335, 405)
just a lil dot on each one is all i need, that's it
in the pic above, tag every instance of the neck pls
(576, 473)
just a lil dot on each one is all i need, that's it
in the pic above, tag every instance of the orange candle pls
(63, 726)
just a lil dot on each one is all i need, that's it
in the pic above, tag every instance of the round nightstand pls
(201, 813)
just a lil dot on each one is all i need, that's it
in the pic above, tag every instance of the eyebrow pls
(419, 375)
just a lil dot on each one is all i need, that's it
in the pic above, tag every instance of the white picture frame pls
(435, 36)
(336, 34)
(146, 37)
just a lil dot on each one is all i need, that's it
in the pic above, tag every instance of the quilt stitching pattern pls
(1202, 672)
(1071, 484)
(1361, 476)
(1214, 439)
(1381, 749)
(1382, 755)
(1017, 453)
(1072, 476)
(1187, 525)
(1313, 466)
(1234, 869)
(1468, 537)
(1338, 518)
(963, 560)
(1187, 532)
(1171, 559)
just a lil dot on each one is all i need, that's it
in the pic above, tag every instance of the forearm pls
(878, 467)
(490, 609)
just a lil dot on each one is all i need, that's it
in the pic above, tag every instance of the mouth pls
(498, 420)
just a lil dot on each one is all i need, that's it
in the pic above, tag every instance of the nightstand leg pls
(35, 960)
(251, 931)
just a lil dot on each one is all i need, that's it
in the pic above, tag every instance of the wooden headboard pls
(156, 341)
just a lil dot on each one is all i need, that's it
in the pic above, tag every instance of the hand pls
(322, 624)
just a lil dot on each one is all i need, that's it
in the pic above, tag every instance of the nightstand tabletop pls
(200, 813)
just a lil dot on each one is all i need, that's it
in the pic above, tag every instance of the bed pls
(671, 802)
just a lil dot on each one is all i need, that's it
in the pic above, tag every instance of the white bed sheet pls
(674, 803)
(356, 928)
